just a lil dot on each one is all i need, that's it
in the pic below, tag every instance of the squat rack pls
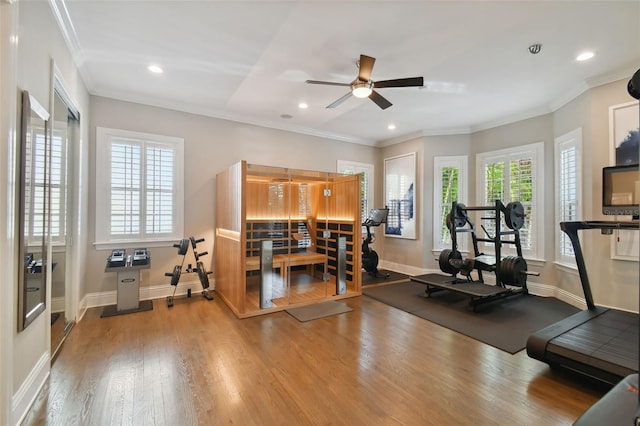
(510, 271)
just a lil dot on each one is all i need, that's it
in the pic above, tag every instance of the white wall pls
(614, 282)
(211, 145)
(416, 256)
(30, 41)
(8, 100)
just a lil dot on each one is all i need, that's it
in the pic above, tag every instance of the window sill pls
(125, 244)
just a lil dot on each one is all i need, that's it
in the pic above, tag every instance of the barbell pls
(513, 269)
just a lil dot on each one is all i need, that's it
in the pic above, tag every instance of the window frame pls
(572, 139)
(535, 151)
(104, 140)
(439, 163)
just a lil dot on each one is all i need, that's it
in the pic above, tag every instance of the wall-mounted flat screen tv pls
(621, 190)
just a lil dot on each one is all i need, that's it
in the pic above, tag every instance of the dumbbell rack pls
(510, 271)
(203, 275)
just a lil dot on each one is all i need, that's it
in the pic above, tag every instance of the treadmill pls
(599, 342)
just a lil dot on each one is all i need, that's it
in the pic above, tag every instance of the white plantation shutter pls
(35, 173)
(568, 189)
(512, 175)
(449, 177)
(521, 189)
(58, 188)
(139, 185)
(126, 174)
(494, 189)
(568, 196)
(159, 191)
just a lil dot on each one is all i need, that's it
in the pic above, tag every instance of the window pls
(568, 187)
(366, 183)
(515, 174)
(139, 187)
(449, 185)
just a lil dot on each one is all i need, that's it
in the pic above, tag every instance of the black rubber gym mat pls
(505, 324)
(368, 279)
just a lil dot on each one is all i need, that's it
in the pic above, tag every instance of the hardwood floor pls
(195, 363)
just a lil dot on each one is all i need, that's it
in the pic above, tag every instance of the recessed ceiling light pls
(391, 127)
(155, 69)
(584, 56)
(303, 105)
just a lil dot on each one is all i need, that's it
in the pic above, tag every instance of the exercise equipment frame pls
(598, 342)
(183, 248)
(510, 272)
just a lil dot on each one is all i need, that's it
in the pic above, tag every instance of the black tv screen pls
(621, 190)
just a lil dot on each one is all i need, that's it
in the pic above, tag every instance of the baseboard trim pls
(106, 298)
(57, 304)
(24, 398)
(404, 269)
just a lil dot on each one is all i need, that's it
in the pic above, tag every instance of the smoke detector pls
(534, 49)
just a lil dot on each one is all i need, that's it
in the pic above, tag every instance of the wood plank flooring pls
(196, 364)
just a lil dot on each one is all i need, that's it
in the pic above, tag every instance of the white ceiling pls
(248, 60)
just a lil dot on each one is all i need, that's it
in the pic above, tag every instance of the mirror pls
(33, 215)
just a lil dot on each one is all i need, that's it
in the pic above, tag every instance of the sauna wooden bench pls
(283, 261)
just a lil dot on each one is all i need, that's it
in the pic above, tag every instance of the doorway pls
(65, 130)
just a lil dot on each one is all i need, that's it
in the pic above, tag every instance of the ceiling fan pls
(362, 86)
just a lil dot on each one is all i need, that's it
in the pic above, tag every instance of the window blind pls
(568, 194)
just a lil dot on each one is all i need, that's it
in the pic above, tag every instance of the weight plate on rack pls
(514, 215)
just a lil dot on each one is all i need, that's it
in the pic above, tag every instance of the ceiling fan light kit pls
(363, 86)
(362, 89)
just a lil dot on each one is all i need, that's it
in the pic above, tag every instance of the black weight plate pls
(449, 221)
(514, 215)
(512, 271)
(175, 277)
(445, 265)
(203, 275)
(461, 215)
(182, 246)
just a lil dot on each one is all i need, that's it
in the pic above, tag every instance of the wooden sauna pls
(286, 238)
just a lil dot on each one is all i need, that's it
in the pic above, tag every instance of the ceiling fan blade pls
(327, 83)
(380, 100)
(366, 65)
(339, 101)
(400, 82)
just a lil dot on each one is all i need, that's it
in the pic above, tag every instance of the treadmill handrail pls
(572, 228)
